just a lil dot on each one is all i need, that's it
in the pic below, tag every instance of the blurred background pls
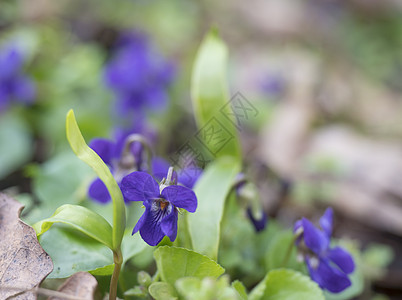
(323, 77)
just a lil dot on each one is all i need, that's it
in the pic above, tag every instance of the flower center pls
(163, 204)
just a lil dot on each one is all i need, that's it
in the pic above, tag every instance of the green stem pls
(118, 260)
(289, 250)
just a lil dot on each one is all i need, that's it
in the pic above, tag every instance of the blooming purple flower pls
(329, 267)
(161, 205)
(119, 162)
(14, 85)
(138, 76)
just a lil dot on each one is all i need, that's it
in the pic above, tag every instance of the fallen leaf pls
(81, 285)
(23, 262)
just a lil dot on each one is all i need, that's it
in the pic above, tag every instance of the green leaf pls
(15, 143)
(162, 291)
(72, 251)
(207, 288)
(286, 284)
(83, 253)
(211, 190)
(209, 89)
(240, 289)
(63, 179)
(174, 263)
(81, 218)
(90, 157)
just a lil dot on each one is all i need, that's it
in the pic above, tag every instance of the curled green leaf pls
(90, 157)
(81, 218)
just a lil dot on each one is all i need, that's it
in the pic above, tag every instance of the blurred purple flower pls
(161, 205)
(240, 186)
(272, 84)
(329, 267)
(259, 224)
(119, 162)
(138, 76)
(14, 85)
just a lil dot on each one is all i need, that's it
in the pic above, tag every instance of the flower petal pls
(104, 148)
(140, 223)
(98, 191)
(259, 224)
(169, 224)
(316, 240)
(150, 222)
(342, 259)
(189, 176)
(326, 221)
(328, 277)
(180, 196)
(160, 167)
(139, 186)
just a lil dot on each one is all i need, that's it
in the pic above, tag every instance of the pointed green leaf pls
(210, 96)
(174, 263)
(286, 284)
(90, 157)
(81, 218)
(211, 190)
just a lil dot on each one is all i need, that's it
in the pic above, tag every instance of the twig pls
(38, 290)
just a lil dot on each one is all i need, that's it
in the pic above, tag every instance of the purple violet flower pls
(329, 267)
(138, 76)
(119, 162)
(161, 204)
(14, 85)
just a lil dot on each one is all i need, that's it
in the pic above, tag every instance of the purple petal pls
(150, 222)
(150, 228)
(24, 90)
(259, 224)
(139, 186)
(189, 176)
(328, 277)
(104, 148)
(140, 222)
(326, 221)
(169, 224)
(342, 259)
(160, 168)
(180, 196)
(98, 191)
(316, 240)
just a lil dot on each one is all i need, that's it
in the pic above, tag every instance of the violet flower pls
(120, 161)
(14, 85)
(138, 76)
(329, 267)
(161, 204)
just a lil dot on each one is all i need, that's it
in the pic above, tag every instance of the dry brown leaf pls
(23, 262)
(81, 285)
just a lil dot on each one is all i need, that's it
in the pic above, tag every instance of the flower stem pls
(118, 260)
(289, 250)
